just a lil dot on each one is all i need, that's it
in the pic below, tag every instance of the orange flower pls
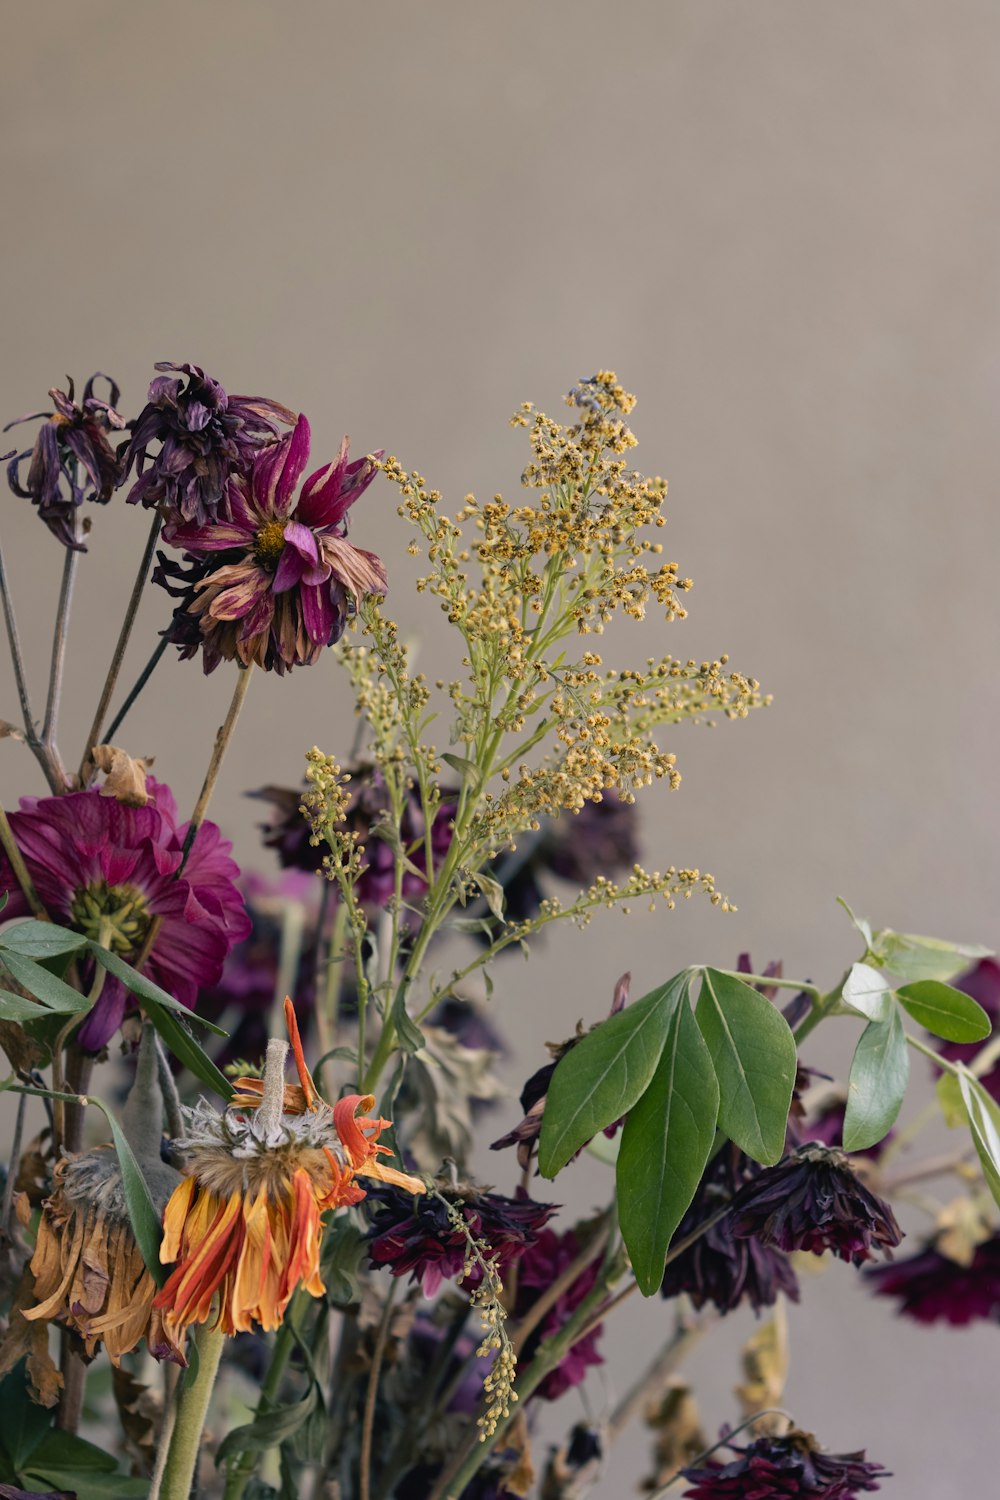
(245, 1226)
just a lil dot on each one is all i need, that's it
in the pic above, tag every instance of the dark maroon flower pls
(415, 1236)
(284, 576)
(539, 1267)
(982, 982)
(182, 579)
(719, 1268)
(289, 835)
(932, 1288)
(783, 1468)
(813, 1201)
(107, 870)
(72, 460)
(206, 437)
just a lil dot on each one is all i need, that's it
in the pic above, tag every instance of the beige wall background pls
(780, 223)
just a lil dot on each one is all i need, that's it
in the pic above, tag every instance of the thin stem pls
(685, 1338)
(171, 1376)
(50, 769)
(773, 982)
(933, 1166)
(59, 637)
(121, 645)
(222, 739)
(140, 683)
(171, 1098)
(562, 1283)
(371, 1394)
(822, 1006)
(12, 1166)
(192, 1409)
(20, 869)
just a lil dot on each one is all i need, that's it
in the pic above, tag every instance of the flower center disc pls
(113, 915)
(269, 544)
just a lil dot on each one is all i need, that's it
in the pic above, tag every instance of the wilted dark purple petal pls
(932, 1288)
(782, 1468)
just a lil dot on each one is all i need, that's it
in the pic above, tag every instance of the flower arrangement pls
(401, 1325)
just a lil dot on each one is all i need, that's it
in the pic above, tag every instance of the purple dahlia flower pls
(783, 1468)
(813, 1201)
(982, 982)
(107, 870)
(540, 1265)
(932, 1288)
(72, 460)
(285, 574)
(206, 437)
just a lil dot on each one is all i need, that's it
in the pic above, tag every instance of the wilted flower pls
(72, 460)
(540, 1265)
(245, 1225)
(813, 1201)
(108, 870)
(783, 1468)
(719, 1268)
(417, 1235)
(285, 574)
(89, 1272)
(982, 982)
(368, 803)
(206, 437)
(934, 1288)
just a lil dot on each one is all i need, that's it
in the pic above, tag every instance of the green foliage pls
(40, 940)
(867, 992)
(754, 1058)
(144, 1218)
(946, 1012)
(35, 1454)
(268, 1428)
(51, 991)
(913, 957)
(984, 1123)
(877, 1084)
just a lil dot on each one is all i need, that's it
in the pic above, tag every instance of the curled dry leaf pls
(10, 731)
(24, 1338)
(765, 1369)
(679, 1435)
(125, 775)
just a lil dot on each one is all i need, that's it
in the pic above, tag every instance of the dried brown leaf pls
(125, 775)
(32, 1339)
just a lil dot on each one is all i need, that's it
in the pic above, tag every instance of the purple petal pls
(277, 470)
(318, 613)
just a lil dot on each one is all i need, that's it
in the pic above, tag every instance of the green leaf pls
(40, 940)
(408, 1033)
(860, 924)
(877, 1083)
(945, 1011)
(605, 1074)
(754, 1057)
(913, 957)
(467, 769)
(188, 1051)
(137, 984)
(666, 1142)
(16, 1008)
(984, 1123)
(949, 1097)
(867, 992)
(344, 1254)
(46, 987)
(268, 1429)
(144, 1218)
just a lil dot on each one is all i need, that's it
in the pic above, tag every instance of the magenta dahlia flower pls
(286, 574)
(107, 870)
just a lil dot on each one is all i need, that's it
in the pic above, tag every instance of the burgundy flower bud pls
(782, 1468)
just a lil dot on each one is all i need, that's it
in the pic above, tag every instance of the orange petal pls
(305, 1077)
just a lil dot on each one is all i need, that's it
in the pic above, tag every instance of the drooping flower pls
(812, 1200)
(89, 1272)
(108, 870)
(284, 576)
(289, 834)
(982, 982)
(245, 1226)
(718, 1267)
(206, 438)
(934, 1288)
(72, 460)
(417, 1236)
(784, 1468)
(540, 1265)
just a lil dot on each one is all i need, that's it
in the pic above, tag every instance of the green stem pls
(822, 1006)
(239, 1473)
(137, 688)
(192, 1410)
(774, 982)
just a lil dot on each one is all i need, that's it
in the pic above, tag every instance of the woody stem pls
(192, 1409)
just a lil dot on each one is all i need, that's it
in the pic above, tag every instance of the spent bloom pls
(284, 575)
(932, 1287)
(108, 870)
(783, 1468)
(206, 437)
(812, 1200)
(72, 459)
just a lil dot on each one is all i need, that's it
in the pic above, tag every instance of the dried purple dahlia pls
(982, 982)
(416, 1236)
(283, 577)
(72, 460)
(813, 1201)
(719, 1268)
(289, 835)
(107, 870)
(206, 437)
(540, 1265)
(932, 1288)
(782, 1468)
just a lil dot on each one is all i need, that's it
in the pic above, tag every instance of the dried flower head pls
(783, 1468)
(206, 438)
(72, 460)
(932, 1287)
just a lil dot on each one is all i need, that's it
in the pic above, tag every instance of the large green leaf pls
(666, 1142)
(146, 989)
(984, 1123)
(913, 957)
(45, 986)
(17, 1008)
(877, 1083)
(946, 1012)
(753, 1054)
(867, 992)
(601, 1078)
(186, 1049)
(145, 1220)
(40, 939)
(268, 1429)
